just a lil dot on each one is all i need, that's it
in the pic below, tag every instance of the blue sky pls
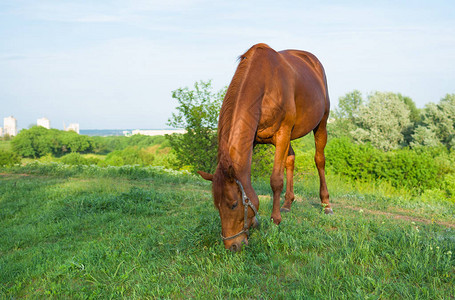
(113, 64)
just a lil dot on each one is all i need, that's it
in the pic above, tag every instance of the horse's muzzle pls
(237, 246)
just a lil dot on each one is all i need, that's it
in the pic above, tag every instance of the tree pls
(382, 121)
(348, 106)
(33, 142)
(439, 121)
(424, 136)
(414, 112)
(414, 117)
(346, 114)
(197, 113)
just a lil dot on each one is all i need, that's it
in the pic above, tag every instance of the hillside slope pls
(72, 232)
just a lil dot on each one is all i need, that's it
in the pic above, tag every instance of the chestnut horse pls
(274, 97)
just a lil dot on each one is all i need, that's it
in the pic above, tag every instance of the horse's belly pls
(305, 123)
(267, 128)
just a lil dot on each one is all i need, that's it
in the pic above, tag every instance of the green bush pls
(8, 158)
(77, 159)
(107, 144)
(412, 169)
(48, 158)
(129, 156)
(357, 161)
(449, 185)
(262, 163)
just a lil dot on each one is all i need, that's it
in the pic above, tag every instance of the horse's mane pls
(225, 170)
(230, 100)
(220, 178)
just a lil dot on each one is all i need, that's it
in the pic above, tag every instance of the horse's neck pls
(241, 139)
(243, 112)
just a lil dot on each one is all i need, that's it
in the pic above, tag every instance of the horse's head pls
(237, 213)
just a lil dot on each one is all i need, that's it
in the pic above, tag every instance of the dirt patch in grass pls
(14, 175)
(398, 216)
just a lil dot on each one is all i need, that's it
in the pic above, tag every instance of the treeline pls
(390, 121)
(39, 141)
(71, 148)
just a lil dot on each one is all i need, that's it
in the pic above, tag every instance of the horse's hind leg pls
(320, 139)
(289, 197)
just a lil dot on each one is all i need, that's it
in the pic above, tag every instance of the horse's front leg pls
(282, 144)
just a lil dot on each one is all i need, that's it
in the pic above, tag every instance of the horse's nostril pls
(234, 248)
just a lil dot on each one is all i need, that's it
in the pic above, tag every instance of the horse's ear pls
(206, 176)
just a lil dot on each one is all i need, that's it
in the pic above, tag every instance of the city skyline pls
(112, 64)
(10, 126)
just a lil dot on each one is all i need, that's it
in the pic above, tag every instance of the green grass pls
(5, 145)
(89, 232)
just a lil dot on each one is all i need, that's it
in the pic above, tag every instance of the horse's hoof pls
(328, 211)
(284, 209)
(276, 220)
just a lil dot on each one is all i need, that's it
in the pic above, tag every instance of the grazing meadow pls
(77, 231)
(125, 217)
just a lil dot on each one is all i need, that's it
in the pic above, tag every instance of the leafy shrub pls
(47, 158)
(352, 160)
(449, 185)
(105, 145)
(408, 168)
(77, 159)
(8, 158)
(404, 167)
(262, 163)
(129, 156)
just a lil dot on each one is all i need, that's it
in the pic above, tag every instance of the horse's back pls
(308, 58)
(310, 90)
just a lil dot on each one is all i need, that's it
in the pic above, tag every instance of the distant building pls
(10, 126)
(73, 127)
(44, 122)
(156, 132)
(1, 131)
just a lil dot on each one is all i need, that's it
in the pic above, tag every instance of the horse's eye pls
(235, 205)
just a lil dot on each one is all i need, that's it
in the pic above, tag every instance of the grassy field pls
(90, 232)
